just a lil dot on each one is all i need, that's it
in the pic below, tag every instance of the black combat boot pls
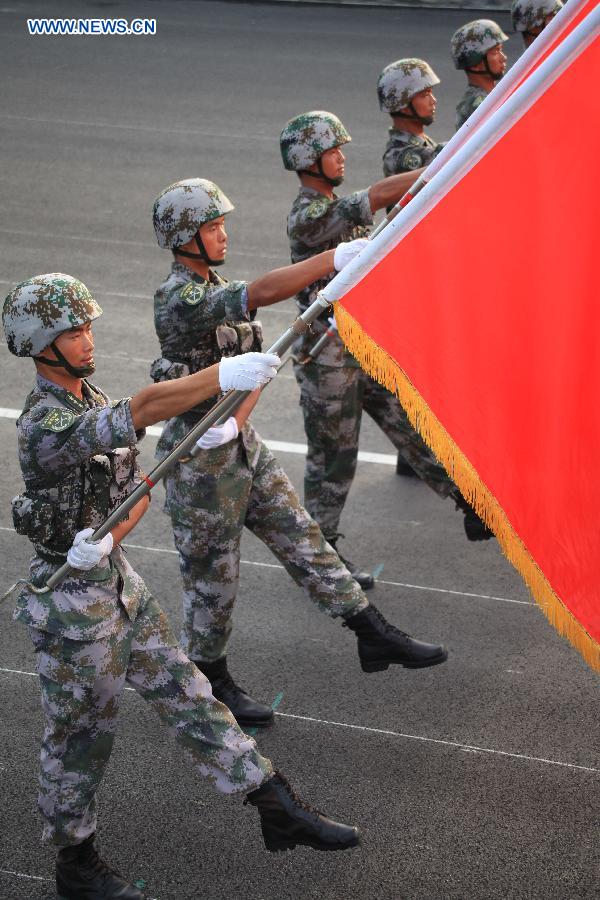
(82, 875)
(286, 820)
(403, 468)
(365, 579)
(475, 528)
(380, 644)
(246, 710)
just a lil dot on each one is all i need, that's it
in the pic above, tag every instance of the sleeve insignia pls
(193, 293)
(316, 209)
(58, 420)
(410, 159)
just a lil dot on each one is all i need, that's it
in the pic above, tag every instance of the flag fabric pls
(480, 310)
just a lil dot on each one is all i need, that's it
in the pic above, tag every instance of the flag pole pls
(469, 153)
(507, 85)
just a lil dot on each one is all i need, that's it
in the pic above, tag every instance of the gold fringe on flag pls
(378, 363)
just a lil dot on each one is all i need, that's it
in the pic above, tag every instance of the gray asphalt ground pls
(477, 779)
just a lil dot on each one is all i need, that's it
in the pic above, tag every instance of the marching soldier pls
(235, 481)
(530, 17)
(477, 48)
(101, 627)
(334, 390)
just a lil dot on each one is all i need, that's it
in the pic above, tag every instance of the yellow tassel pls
(378, 363)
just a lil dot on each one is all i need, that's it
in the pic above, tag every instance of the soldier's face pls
(334, 163)
(424, 105)
(214, 238)
(530, 36)
(76, 345)
(497, 58)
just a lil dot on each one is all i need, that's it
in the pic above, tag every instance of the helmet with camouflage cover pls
(471, 42)
(183, 207)
(531, 15)
(38, 310)
(401, 80)
(306, 137)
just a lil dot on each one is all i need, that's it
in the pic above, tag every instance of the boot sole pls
(381, 665)
(276, 846)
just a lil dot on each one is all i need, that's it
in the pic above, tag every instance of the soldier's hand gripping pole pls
(221, 411)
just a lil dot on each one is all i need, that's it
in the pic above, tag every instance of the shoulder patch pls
(193, 293)
(477, 102)
(410, 159)
(58, 420)
(316, 209)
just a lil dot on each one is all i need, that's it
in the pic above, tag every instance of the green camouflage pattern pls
(305, 137)
(405, 152)
(317, 223)
(468, 103)
(39, 309)
(183, 207)
(82, 684)
(530, 15)
(214, 495)
(332, 401)
(401, 80)
(471, 42)
(74, 477)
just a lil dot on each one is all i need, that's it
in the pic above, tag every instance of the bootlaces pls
(388, 625)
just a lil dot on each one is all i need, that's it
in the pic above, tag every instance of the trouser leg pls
(277, 517)
(81, 684)
(207, 501)
(385, 409)
(205, 729)
(331, 401)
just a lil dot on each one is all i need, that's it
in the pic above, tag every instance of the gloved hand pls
(346, 251)
(219, 434)
(84, 554)
(248, 371)
(332, 323)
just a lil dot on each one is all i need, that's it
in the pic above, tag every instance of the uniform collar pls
(409, 138)
(44, 385)
(178, 268)
(312, 193)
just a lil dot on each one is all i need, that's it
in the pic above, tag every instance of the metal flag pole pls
(185, 448)
(507, 85)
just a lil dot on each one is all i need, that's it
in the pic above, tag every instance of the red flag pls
(478, 306)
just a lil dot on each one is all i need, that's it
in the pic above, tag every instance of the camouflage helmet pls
(471, 42)
(41, 308)
(401, 80)
(309, 135)
(530, 14)
(183, 207)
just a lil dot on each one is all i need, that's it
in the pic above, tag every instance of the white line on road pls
(367, 729)
(23, 875)
(402, 584)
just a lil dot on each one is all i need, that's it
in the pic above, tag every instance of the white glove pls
(84, 554)
(247, 371)
(346, 251)
(219, 434)
(332, 323)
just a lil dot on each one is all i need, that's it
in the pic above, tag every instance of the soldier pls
(530, 17)
(333, 388)
(235, 481)
(477, 47)
(405, 91)
(101, 627)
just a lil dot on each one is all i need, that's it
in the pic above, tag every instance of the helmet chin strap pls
(414, 115)
(495, 76)
(201, 255)
(334, 182)
(61, 362)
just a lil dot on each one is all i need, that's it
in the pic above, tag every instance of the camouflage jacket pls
(315, 224)
(471, 99)
(405, 152)
(78, 459)
(197, 323)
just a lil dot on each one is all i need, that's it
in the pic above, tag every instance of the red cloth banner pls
(485, 317)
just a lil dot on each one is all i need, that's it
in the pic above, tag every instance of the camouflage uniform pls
(334, 389)
(405, 152)
(101, 628)
(214, 495)
(470, 100)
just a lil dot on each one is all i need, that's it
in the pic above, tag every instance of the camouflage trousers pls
(210, 500)
(332, 401)
(81, 686)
